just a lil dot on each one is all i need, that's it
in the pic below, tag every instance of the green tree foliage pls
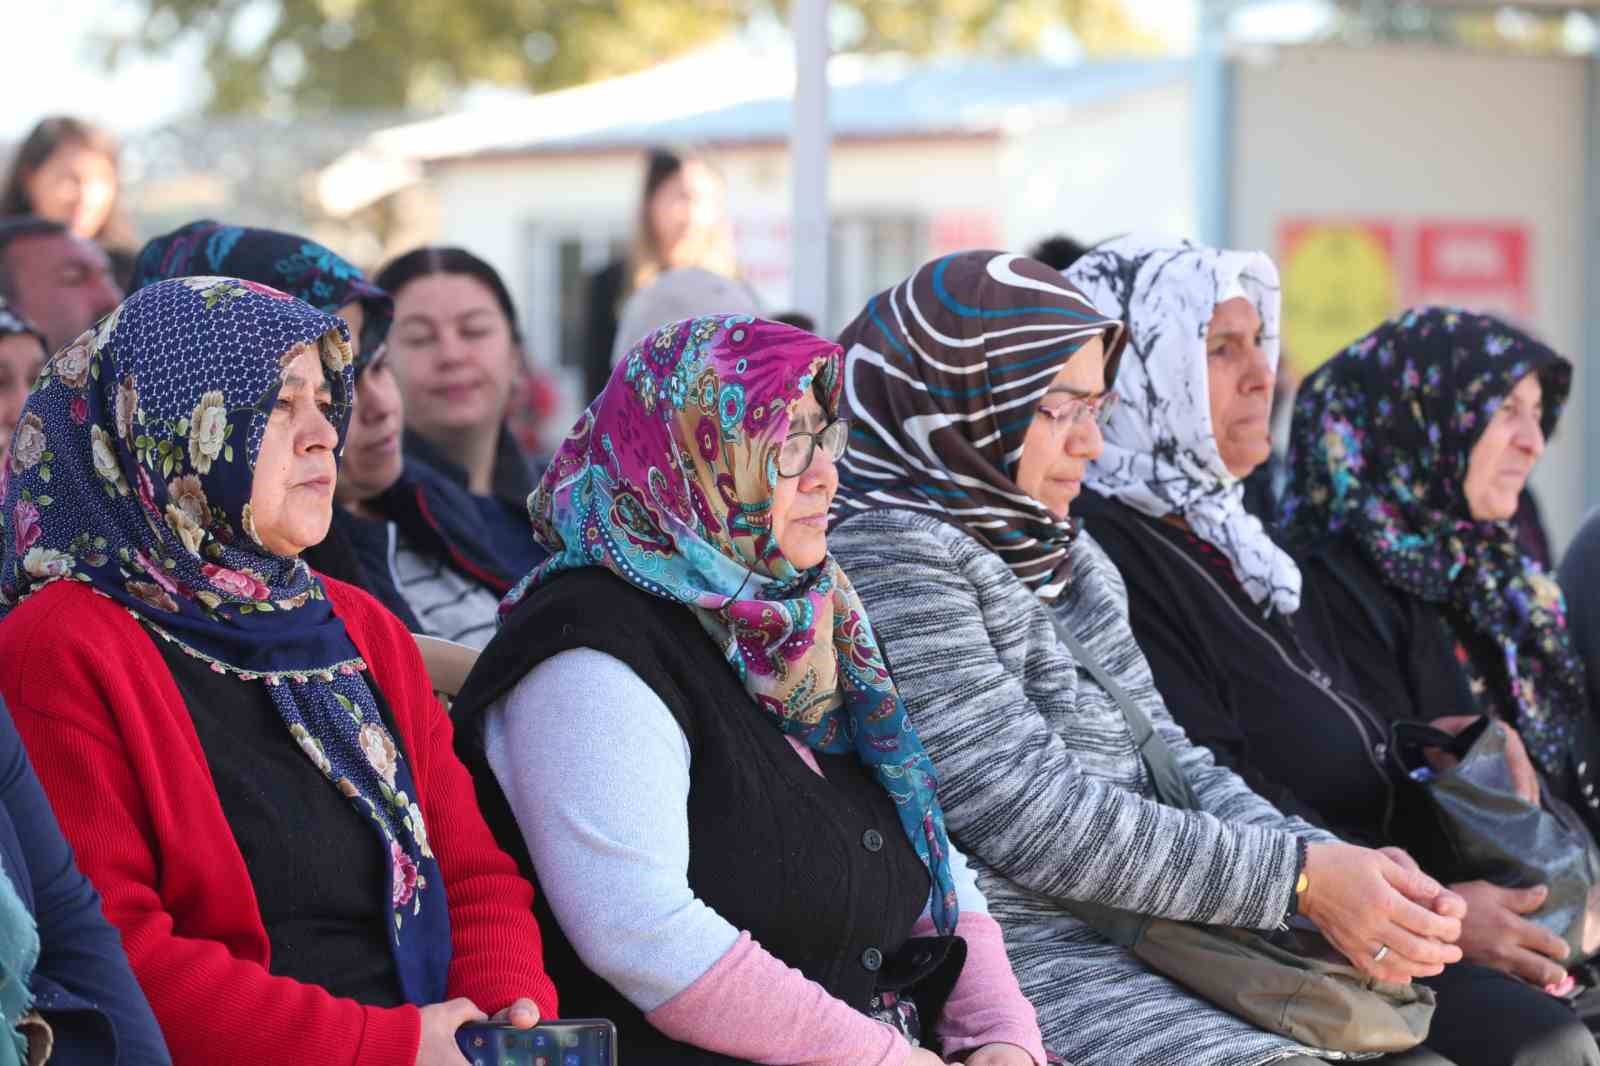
(312, 55)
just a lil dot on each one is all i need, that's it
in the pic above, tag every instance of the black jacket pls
(1269, 694)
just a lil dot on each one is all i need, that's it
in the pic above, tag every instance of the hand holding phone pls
(440, 1022)
(575, 1042)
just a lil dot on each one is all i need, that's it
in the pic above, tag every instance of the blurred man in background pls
(59, 282)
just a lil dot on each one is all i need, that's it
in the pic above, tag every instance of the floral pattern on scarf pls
(943, 377)
(292, 264)
(1161, 453)
(667, 482)
(1379, 450)
(132, 470)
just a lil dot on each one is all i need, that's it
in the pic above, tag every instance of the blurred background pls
(1385, 153)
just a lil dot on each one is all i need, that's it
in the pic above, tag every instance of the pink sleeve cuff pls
(752, 1006)
(987, 1006)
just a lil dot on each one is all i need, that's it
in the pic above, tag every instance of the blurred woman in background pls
(68, 170)
(682, 221)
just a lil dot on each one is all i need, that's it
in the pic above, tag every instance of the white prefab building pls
(925, 159)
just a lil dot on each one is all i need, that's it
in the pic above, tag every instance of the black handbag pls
(1474, 826)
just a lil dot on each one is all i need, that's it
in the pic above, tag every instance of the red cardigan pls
(113, 743)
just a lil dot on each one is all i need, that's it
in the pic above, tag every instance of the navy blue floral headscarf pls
(132, 470)
(285, 261)
(1379, 449)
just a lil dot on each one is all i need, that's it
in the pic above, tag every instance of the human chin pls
(804, 547)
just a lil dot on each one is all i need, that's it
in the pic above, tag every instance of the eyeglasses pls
(800, 448)
(1074, 411)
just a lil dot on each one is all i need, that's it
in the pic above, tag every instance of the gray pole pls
(808, 158)
(1212, 117)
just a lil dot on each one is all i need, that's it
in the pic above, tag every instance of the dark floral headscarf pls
(1379, 449)
(667, 482)
(132, 471)
(943, 377)
(287, 262)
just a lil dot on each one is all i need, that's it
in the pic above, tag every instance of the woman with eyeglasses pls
(686, 723)
(976, 389)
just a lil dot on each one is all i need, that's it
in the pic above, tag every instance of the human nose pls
(318, 432)
(1258, 372)
(1084, 438)
(452, 348)
(107, 294)
(822, 472)
(1530, 435)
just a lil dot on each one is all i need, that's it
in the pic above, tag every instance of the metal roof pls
(878, 101)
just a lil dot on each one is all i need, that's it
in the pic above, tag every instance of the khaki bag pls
(1290, 981)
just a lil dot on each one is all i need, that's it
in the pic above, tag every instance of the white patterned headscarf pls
(1161, 454)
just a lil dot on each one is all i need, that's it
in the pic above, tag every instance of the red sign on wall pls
(1478, 265)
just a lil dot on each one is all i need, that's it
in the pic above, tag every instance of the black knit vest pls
(816, 868)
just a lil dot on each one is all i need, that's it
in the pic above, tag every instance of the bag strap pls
(1171, 786)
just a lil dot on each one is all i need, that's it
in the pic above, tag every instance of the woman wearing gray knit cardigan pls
(974, 390)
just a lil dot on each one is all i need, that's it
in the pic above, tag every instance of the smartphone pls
(572, 1042)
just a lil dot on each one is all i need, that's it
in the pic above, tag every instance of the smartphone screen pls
(576, 1042)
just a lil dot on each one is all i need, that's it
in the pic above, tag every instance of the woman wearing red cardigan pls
(247, 758)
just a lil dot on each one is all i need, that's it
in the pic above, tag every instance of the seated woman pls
(686, 720)
(457, 354)
(1408, 453)
(395, 514)
(66, 992)
(975, 390)
(1245, 664)
(248, 759)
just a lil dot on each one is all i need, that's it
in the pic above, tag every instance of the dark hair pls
(1058, 252)
(42, 142)
(426, 261)
(797, 319)
(15, 229)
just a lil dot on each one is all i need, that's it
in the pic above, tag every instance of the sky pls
(58, 71)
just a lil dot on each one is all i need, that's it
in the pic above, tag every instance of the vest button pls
(872, 840)
(872, 959)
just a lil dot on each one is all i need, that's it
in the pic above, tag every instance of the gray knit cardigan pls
(1042, 789)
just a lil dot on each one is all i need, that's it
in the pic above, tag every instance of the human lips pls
(388, 444)
(812, 521)
(457, 392)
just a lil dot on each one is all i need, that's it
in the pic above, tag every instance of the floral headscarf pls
(667, 482)
(943, 377)
(1379, 449)
(132, 471)
(285, 261)
(1160, 453)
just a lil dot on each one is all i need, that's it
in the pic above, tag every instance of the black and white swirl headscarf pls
(1161, 454)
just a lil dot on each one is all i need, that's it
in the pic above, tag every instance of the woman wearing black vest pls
(687, 721)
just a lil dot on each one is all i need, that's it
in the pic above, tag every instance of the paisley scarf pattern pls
(943, 375)
(1161, 453)
(132, 470)
(1379, 450)
(667, 481)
